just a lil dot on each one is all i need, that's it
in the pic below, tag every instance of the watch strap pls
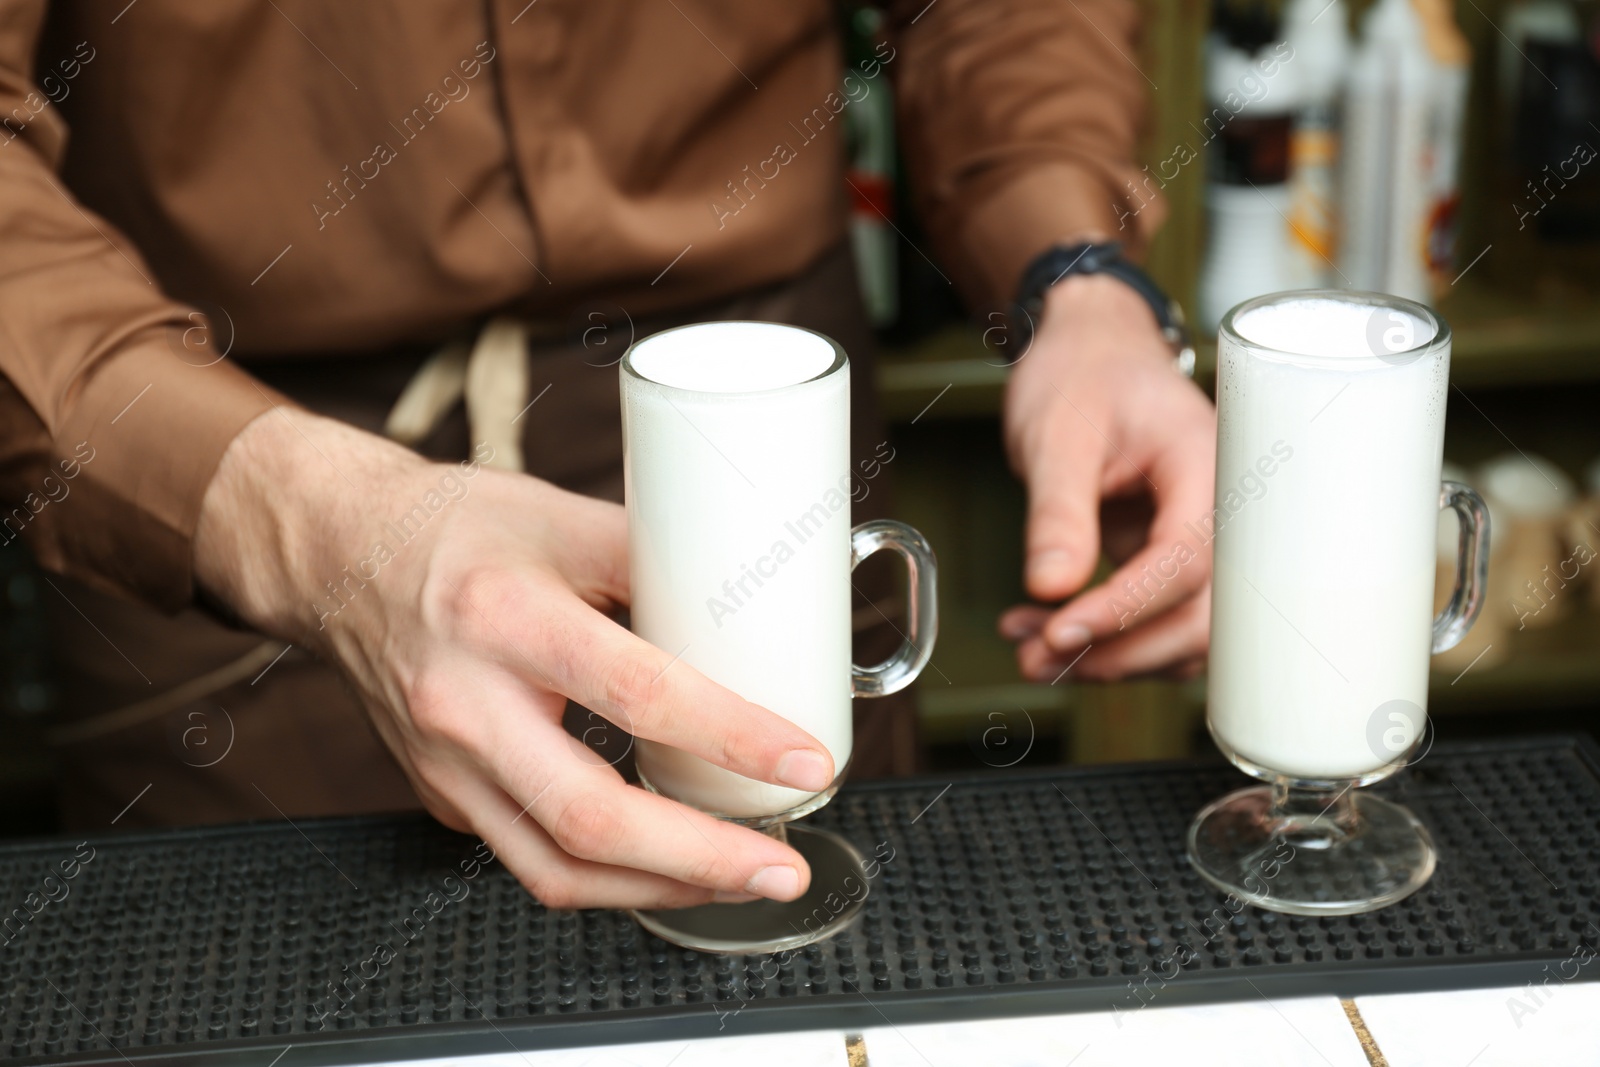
(1061, 261)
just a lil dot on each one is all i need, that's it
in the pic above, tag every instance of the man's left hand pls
(1097, 413)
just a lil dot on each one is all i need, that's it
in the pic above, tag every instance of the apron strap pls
(491, 375)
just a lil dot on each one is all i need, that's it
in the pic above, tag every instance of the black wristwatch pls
(1063, 260)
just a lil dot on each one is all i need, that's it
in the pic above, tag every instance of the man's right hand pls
(466, 632)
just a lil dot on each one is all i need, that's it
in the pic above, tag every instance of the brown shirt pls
(344, 177)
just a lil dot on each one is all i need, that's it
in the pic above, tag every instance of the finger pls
(586, 807)
(529, 853)
(1177, 637)
(1040, 663)
(645, 691)
(1062, 468)
(599, 550)
(1186, 671)
(594, 815)
(1174, 563)
(441, 806)
(1023, 621)
(658, 697)
(562, 881)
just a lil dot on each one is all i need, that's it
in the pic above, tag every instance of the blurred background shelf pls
(1502, 338)
(1551, 668)
(1499, 339)
(947, 375)
(1526, 366)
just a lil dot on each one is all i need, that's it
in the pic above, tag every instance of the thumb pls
(1062, 469)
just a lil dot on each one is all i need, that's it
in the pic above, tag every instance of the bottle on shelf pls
(1250, 99)
(872, 167)
(1404, 108)
(1318, 33)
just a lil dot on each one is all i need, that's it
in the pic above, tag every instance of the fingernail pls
(722, 897)
(1068, 637)
(1018, 629)
(804, 769)
(775, 883)
(1049, 567)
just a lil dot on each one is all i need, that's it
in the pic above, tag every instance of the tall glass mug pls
(1330, 435)
(738, 484)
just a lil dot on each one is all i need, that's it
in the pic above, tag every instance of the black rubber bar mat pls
(354, 940)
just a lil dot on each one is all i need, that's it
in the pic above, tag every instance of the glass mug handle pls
(900, 669)
(1472, 566)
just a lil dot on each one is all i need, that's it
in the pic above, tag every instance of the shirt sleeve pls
(113, 412)
(1019, 121)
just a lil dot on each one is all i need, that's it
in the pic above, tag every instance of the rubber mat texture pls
(1064, 890)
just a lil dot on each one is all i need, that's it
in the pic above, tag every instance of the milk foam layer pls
(739, 535)
(1333, 329)
(1323, 585)
(732, 357)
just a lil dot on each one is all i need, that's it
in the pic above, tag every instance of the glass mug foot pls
(1311, 852)
(838, 888)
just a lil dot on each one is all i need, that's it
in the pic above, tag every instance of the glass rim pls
(1228, 331)
(840, 360)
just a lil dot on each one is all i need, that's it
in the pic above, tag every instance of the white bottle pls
(1249, 101)
(1318, 32)
(1402, 147)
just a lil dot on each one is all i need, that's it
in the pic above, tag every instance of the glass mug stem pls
(1312, 818)
(1472, 566)
(922, 606)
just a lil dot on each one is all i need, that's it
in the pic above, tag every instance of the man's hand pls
(1095, 411)
(466, 605)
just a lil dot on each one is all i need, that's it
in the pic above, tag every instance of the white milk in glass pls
(737, 471)
(1327, 501)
